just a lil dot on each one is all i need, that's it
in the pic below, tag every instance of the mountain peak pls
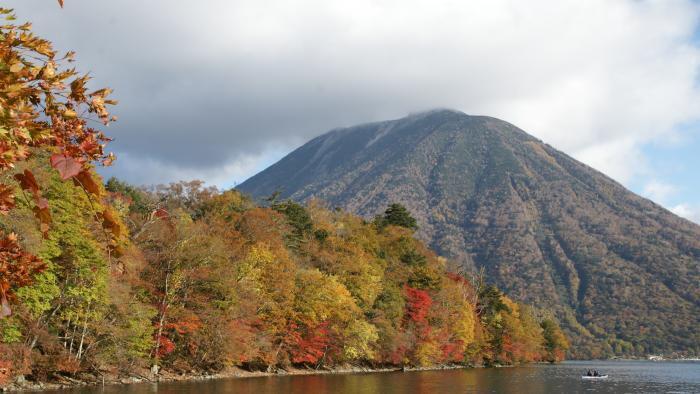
(435, 111)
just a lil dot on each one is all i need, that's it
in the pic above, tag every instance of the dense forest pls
(199, 279)
(113, 279)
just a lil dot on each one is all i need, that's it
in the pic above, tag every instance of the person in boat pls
(589, 373)
(595, 373)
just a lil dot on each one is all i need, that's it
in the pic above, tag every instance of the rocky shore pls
(145, 376)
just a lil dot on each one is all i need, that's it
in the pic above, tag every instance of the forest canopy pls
(208, 280)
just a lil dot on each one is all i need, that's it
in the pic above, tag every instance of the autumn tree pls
(328, 322)
(44, 106)
(267, 276)
(555, 342)
(455, 318)
(346, 251)
(62, 314)
(181, 254)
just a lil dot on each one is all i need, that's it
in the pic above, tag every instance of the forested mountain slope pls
(621, 271)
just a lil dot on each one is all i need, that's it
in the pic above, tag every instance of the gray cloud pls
(217, 89)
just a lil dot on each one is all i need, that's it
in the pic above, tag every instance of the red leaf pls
(44, 216)
(27, 181)
(85, 180)
(41, 211)
(7, 199)
(161, 214)
(66, 166)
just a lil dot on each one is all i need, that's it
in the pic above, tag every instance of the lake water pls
(625, 377)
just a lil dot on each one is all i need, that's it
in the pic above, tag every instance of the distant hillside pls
(621, 272)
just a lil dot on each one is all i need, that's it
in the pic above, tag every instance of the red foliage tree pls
(17, 268)
(177, 331)
(309, 345)
(453, 351)
(418, 303)
(165, 346)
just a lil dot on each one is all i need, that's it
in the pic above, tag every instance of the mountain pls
(621, 272)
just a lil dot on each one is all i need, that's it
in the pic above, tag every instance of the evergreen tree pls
(397, 215)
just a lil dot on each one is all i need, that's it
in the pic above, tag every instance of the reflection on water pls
(625, 377)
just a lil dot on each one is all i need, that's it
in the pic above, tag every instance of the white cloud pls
(665, 193)
(688, 211)
(659, 191)
(146, 171)
(207, 84)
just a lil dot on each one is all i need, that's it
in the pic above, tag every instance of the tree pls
(267, 275)
(330, 320)
(136, 198)
(43, 107)
(454, 314)
(397, 215)
(182, 256)
(555, 343)
(17, 269)
(298, 218)
(491, 309)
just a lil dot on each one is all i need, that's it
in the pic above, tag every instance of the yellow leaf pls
(49, 71)
(102, 92)
(16, 67)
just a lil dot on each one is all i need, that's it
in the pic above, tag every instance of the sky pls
(220, 89)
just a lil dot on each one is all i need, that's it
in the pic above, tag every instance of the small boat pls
(594, 377)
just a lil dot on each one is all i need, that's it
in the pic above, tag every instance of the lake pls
(625, 377)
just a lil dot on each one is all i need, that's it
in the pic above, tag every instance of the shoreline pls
(144, 375)
(65, 383)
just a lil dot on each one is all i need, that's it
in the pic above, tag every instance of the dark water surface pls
(625, 377)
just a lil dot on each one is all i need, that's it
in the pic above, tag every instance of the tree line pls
(205, 280)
